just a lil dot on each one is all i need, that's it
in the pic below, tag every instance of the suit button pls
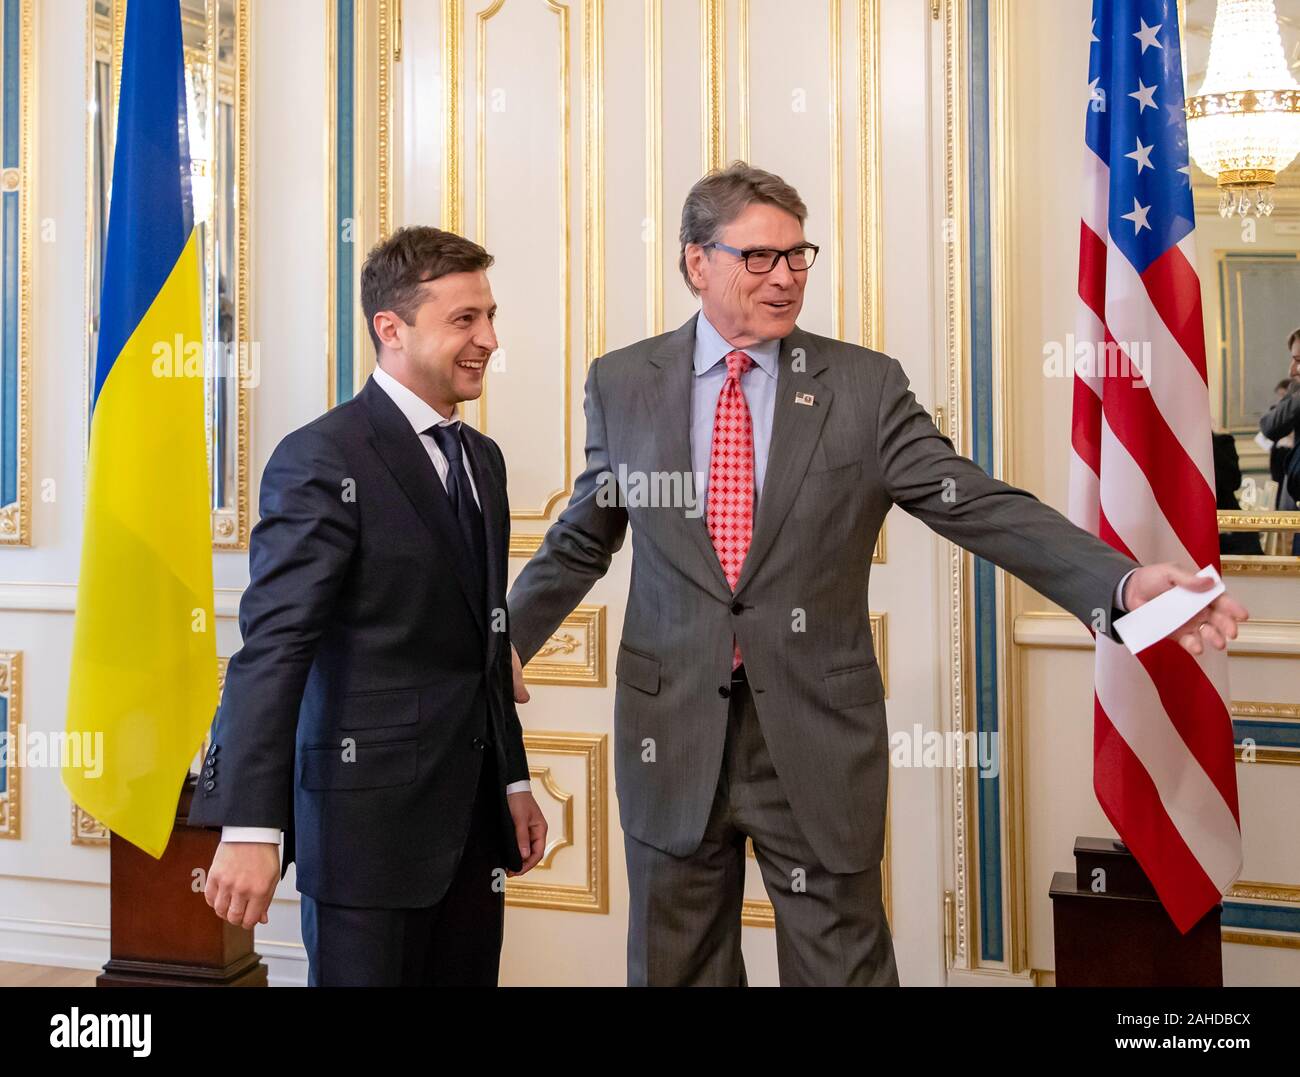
(737, 607)
(724, 691)
(211, 772)
(478, 742)
(209, 785)
(213, 749)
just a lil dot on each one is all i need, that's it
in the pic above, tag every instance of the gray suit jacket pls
(800, 608)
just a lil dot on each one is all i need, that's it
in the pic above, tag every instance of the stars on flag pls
(1147, 35)
(1138, 216)
(1145, 96)
(1142, 155)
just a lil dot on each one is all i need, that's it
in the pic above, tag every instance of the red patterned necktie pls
(731, 477)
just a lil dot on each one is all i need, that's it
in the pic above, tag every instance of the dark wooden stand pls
(1123, 937)
(163, 934)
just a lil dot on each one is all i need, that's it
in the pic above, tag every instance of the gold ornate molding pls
(452, 200)
(880, 642)
(713, 28)
(871, 273)
(592, 895)
(580, 637)
(957, 345)
(16, 517)
(11, 691)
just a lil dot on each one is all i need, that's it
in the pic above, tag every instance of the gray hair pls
(721, 196)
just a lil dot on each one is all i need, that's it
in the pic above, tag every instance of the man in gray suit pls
(749, 699)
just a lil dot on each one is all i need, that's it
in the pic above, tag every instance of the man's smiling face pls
(750, 307)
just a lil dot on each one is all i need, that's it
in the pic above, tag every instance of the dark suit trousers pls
(455, 943)
(684, 912)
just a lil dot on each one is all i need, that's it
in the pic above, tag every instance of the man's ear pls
(695, 256)
(385, 323)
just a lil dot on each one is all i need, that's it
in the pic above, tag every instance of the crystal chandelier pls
(1244, 126)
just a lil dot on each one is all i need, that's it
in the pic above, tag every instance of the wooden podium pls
(163, 934)
(1111, 930)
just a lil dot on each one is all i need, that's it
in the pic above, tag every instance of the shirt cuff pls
(1119, 591)
(519, 787)
(268, 834)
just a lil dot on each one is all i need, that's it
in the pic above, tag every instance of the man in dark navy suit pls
(369, 715)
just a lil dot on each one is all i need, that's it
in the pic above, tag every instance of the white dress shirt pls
(421, 415)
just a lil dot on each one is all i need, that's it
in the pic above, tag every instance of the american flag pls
(1142, 469)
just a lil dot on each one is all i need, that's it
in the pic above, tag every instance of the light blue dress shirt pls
(758, 385)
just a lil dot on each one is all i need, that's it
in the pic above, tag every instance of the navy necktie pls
(461, 496)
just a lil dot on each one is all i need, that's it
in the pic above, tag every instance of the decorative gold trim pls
(331, 193)
(713, 27)
(452, 199)
(742, 74)
(1284, 893)
(654, 126)
(583, 629)
(1245, 565)
(833, 15)
(957, 348)
(593, 200)
(1244, 708)
(871, 272)
(1259, 521)
(1002, 167)
(758, 912)
(16, 517)
(524, 545)
(880, 642)
(593, 160)
(230, 527)
(384, 118)
(594, 895)
(878, 551)
(1262, 938)
(547, 777)
(1284, 712)
(11, 688)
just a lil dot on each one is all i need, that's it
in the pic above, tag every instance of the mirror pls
(215, 36)
(1250, 290)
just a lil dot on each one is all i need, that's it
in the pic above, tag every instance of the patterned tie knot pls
(447, 435)
(738, 364)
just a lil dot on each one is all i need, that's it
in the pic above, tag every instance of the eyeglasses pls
(764, 259)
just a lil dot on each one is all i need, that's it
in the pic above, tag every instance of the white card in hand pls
(1153, 621)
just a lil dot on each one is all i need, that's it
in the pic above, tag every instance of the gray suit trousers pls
(684, 917)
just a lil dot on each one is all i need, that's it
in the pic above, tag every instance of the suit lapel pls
(795, 430)
(404, 455)
(492, 504)
(668, 403)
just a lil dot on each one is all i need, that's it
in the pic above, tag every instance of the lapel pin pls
(804, 398)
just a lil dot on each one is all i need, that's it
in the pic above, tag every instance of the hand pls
(242, 881)
(530, 829)
(517, 668)
(1216, 624)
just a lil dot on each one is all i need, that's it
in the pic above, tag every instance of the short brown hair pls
(396, 267)
(721, 196)
(1290, 341)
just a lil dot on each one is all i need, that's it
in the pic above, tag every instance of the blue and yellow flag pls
(144, 666)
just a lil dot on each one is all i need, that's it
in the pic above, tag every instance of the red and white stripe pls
(1142, 478)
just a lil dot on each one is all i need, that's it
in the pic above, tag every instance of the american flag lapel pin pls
(804, 398)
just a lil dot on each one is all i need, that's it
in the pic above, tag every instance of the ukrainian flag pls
(144, 665)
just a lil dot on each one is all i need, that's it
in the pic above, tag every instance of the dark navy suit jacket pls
(373, 682)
